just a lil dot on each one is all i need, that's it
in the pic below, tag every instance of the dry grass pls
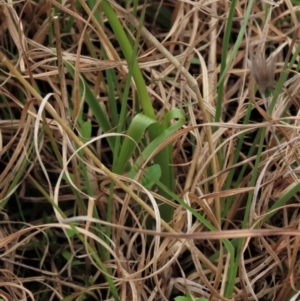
(68, 234)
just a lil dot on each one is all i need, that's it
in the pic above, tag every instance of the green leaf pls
(167, 133)
(67, 256)
(152, 174)
(134, 134)
(189, 298)
(86, 130)
(70, 232)
(181, 298)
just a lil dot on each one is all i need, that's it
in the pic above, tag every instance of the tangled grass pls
(149, 150)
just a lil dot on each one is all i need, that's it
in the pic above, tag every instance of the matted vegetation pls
(149, 150)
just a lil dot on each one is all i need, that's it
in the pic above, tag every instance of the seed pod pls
(263, 70)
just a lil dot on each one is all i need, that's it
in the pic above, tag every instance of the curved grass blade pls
(135, 133)
(167, 133)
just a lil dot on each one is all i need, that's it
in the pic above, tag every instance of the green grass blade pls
(168, 132)
(225, 47)
(237, 43)
(93, 103)
(121, 36)
(136, 131)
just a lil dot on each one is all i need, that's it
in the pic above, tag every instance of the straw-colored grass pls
(149, 151)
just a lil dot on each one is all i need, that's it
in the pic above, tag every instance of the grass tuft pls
(149, 150)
